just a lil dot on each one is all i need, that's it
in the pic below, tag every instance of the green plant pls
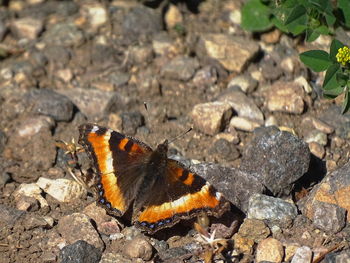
(336, 63)
(312, 17)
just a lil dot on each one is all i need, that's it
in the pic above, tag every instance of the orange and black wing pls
(180, 194)
(119, 162)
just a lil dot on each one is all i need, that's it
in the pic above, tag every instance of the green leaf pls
(330, 80)
(296, 22)
(346, 104)
(317, 60)
(333, 93)
(255, 16)
(342, 79)
(311, 35)
(344, 6)
(335, 45)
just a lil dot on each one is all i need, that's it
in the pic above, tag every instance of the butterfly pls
(158, 190)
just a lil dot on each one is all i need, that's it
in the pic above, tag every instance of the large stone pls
(211, 117)
(233, 52)
(278, 158)
(285, 97)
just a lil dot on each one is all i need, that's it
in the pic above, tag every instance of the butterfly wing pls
(180, 194)
(119, 162)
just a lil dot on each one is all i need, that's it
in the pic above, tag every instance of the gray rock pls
(205, 77)
(285, 97)
(329, 217)
(80, 252)
(246, 83)
(64, 34)
(277, 158)
(341, 122)
(172, 253)
(78, 226)
(50, 103)
(274, 211)
(57, 54)
(180, 68)
(9, 215)
(332, 191)
(138, 247)
(3, 29)
(337, 257)
(302, 255)
(27, 27)
(93, 102)
(269, 69)
(141, 21)
(114, 258)
(211, 117)
(244, 106)
(4, 178)
(3, 140)
(236, 185)
(232, 52)
(131, 121)
(224, 150)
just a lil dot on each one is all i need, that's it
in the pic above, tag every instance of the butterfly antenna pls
(180, 135)
(147, 116)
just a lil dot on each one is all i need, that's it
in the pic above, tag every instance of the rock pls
(139, 247)
(317, 149)
(35, 221)
(232, 137)
(37, 151)
(141, 21)
(288, 159)
(180, 68)
(205, 77)
(27, 203)
(172, 253)
(77, 227)
(93, 102)
(64, 34)
(30, 190)
(285, 97)
(131, 121)
(33, 125)
(173, 17)
(242, 105)
(246, 83)
(243, 124)
(224, 150)
(233, 52)
(63, 190)
(80, 252)
(334, 118)
(211, 117)
(27, 27)
(3, 140)
(314, 123)
(271, 37)
(95, 13)
(9, 215)
(337, 257)
(274, 211)
(114, 258)
(329, 217)
(236, 185)
(3, 29)
(243, 245)
(141, 54)
(270, 250)
(50, 103)
(254, 229)
(270, 69)
(301, 81)
(316, 136)
(334, 190)
(164, 45)
(4, 178)
(302, 255)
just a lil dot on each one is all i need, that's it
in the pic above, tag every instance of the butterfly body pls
(160, 190)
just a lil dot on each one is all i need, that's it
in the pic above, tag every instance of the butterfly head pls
(163, 147)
